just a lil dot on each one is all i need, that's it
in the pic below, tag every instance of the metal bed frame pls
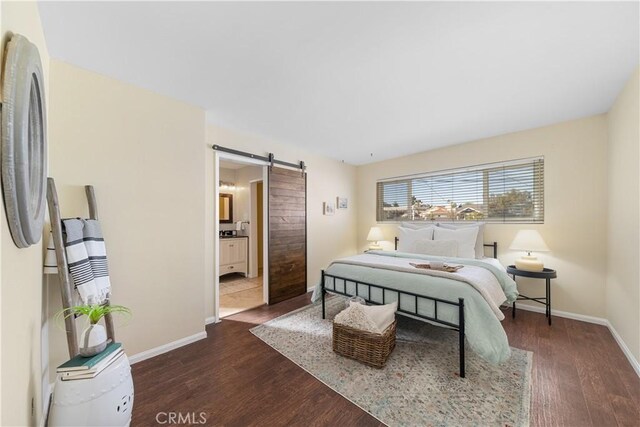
(460, 327)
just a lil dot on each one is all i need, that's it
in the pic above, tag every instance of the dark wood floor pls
(580, 378)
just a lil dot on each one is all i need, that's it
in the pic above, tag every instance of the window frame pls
(536, 194)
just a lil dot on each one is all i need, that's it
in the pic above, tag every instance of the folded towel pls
(381, 315)
(86, 258)
(355, 317)
(375, 319)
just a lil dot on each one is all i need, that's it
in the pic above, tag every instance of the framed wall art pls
(343, 203)
(328, 208)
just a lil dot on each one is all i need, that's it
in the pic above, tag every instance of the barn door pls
(287, 234)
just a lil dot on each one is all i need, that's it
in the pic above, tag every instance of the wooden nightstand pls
(546, 274)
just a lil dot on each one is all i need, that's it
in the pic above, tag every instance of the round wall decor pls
(24, 145)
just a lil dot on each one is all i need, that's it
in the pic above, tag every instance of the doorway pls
(241, 284)
(276, 225)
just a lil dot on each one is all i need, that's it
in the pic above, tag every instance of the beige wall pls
(22, 319)
(623, 278)
(144, 155)
(328, 237)
(575, 203)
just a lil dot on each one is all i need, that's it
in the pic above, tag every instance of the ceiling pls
(361, 81)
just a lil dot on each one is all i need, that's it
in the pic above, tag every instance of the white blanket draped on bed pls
(480, 279)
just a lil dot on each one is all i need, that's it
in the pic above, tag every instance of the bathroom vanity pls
(234, 255)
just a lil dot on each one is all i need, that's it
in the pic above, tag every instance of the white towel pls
(374, 319)
(86, 258)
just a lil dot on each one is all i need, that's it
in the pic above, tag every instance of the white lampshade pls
(375, 234)
(530, 241)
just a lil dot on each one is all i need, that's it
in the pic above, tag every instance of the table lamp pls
(375, 235)
(529, 241)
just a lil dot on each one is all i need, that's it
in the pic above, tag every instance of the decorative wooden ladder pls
(66, 283)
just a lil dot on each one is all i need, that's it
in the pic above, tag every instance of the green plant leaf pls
(94, 312)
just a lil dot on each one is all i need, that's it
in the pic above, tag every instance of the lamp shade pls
(530, 241)
(375, 234)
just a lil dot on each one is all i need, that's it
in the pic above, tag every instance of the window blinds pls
(508, 192)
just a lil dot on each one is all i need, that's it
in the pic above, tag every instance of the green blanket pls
(483, 330)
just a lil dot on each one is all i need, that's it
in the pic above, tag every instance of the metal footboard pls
(416, 298)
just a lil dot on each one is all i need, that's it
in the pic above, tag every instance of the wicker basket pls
(366, 347)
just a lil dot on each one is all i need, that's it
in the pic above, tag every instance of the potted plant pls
(94, 337)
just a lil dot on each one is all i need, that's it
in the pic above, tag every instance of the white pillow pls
(466, 238)
(408, 237)
(417, 225)
(446, 248)
(479, 248)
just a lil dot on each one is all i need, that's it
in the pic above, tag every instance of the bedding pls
(484, 333)
(494, 262)
(408, 237)
(479, 248)
(448, 248)
(466, 238)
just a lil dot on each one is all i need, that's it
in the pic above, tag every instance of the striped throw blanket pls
(86, 257)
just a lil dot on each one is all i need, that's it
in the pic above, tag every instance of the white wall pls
(241, 193)
(228, 175)
(143, 153)
(242, 211)
(23, 316)
(242, 178)
(242, 204)
(623, 245)
(575, 203)
(328, 237)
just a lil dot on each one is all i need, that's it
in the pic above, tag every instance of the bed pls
(382, 277)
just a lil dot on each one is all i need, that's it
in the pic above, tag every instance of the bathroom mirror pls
(225, 205)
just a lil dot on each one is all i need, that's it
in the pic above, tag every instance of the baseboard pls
(565, 314)
(591, 319)
(210, 320)
(625, 349)
(148, 354)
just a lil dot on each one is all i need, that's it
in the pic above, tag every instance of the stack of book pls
(80, 367)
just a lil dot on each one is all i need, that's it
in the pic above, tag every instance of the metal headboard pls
(493, 245)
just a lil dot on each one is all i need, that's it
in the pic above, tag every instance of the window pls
(498, 192)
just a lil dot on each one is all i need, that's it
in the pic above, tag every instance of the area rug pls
(419, 386)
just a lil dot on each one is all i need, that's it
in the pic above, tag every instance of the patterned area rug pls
(419, 386)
